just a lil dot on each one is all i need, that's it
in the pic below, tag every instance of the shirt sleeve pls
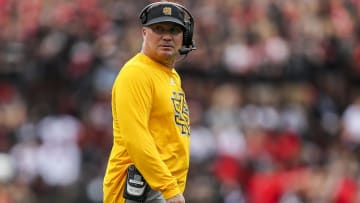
(132, 101)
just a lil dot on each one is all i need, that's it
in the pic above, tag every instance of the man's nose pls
(167, 35)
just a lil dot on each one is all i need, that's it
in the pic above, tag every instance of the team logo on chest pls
(181, 112)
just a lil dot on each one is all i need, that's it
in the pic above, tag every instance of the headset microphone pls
(186, 50)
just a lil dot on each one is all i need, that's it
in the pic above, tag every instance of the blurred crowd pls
(273, 92)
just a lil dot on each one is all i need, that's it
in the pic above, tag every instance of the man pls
(149, 159)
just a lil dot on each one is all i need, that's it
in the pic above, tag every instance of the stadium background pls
(273, 91)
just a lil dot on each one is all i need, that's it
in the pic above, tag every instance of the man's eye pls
(159, 30)
(175, 30)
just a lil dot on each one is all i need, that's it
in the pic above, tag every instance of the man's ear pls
(143, 31)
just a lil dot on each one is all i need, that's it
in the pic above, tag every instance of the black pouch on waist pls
(135, 187)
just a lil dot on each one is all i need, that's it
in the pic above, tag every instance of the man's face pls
(162, 40)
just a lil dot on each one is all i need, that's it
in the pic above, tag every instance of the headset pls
(188, 42)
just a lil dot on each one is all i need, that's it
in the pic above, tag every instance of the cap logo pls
(167, 11)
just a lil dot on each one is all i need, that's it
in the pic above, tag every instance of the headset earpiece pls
(144, 12)
(188, 42)
(143, 17)
(187, 35)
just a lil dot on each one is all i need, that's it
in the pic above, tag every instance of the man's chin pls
(167, 53)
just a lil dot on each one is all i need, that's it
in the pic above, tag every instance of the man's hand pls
(179, 198)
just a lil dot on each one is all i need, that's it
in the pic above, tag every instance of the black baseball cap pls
(163, 12)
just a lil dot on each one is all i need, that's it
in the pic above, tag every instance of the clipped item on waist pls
(136, 186)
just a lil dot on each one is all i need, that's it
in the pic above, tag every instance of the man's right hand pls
(179, 198)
